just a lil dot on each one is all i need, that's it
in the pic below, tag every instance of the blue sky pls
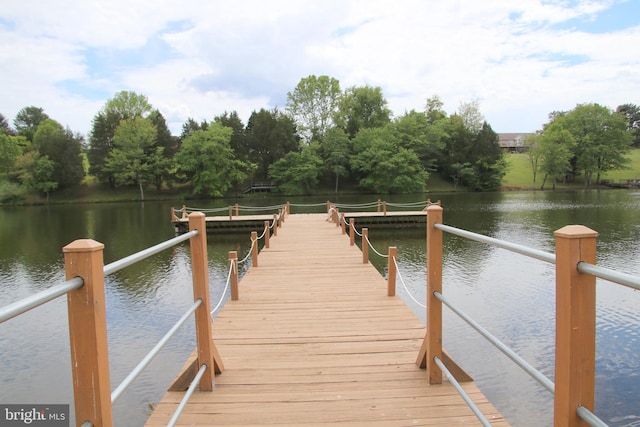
(197, 59)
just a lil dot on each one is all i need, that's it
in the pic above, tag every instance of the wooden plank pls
(314, 340)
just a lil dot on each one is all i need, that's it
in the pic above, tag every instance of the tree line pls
(326, 137)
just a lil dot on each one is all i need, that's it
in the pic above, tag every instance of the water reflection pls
(508, 294)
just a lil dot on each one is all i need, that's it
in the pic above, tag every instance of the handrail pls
(405, 285)
(534, 373)
(474, 408)
(115, 394)
(187, 396)
(513, 247)
(146, 253)
(28, 303)
(590, 417)
(374, 249)
(610, 275)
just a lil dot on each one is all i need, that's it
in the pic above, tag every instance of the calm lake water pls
(510, 295)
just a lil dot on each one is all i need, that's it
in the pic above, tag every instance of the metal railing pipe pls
(174, 419)
(21, 306)
(513, 247)
(611, 275)
(146, 253)
(115, 394)
(476, 411)
(533, 372)
(590, 417)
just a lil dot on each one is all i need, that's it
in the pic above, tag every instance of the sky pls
(520, 60)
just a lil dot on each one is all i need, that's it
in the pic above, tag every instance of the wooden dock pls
(314, 340)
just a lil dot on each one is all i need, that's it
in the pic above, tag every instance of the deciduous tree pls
(297, 172)
(27, 120)
(313, 104)
(362, 108)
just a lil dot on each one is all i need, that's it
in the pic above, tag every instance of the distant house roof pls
(512, 140)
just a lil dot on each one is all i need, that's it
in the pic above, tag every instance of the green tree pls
(5, 129)
(191, 126)
(36, 173)
(238, 138)
(471, 116)
(383, 167)
(313, 105)
(297, 172)
(555, 150)
(63, 148)
(533, 153)
(270, 135)
(124, 105)
(414, 132)
(362, 108)
(631, 112)
(206, 158)
(162, 167)
(27, 120)
(135, 153)
(433, 109)
(601, 139)
(10, 149)
(335, 152)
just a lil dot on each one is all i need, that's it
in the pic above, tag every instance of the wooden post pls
(254, 248)
(328, 206)
(173, 214)
(337, 217)
(575, 325)
(378, 205)
(237, 209)
(184, 211)
(384, 204)
(200, 273)
(365, 245)
(352, 232)
(434, 284)
(342, 225)
(275, 224)
(391, 271)
(288, 208)
(233, 265)
(266, 234)
(88, 333)
(230, 213)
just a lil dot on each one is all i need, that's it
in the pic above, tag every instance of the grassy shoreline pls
(518, 178)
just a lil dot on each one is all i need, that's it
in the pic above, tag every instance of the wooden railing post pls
(352, 231)
(434, 284)
(266, 234)
(288, 208)
(384, 205)
(184, 211)
(254, 248)
(342, 225)
(233, 265)
(391, 271)
(230, 213)
(365, 245)
(337, 216)
(575, 325)
(88, 333)
(378, 205)
(237, 209)
(200, 273)
(275, 224)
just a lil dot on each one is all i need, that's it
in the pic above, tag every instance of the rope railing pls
(374, 249)
(404, 285)
(233, 268)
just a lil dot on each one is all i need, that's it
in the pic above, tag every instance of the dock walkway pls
(315, 340)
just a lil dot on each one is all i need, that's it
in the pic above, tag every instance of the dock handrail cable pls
(87, 328)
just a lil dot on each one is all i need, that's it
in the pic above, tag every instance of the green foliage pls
(383, 167)
(631, 114)
(270, 135)
(10, 149)
(362, 108)
(36, 173)
(313, 104)
(135, 155)
(27, 121)
(64, 149)
(11, 192)
(335, 152)
(208, 161)
(297, 172)
(414, 132)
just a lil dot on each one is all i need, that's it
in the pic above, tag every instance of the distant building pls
(513, 142)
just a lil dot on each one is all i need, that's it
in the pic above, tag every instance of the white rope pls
(374, 249)
(253, 242)
(405, 286)
(226, 286)
(263, 233)
(307, 206)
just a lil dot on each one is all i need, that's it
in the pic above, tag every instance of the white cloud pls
(520, 60)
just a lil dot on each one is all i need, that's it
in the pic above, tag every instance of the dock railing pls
(84, 287)
(573, 388)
